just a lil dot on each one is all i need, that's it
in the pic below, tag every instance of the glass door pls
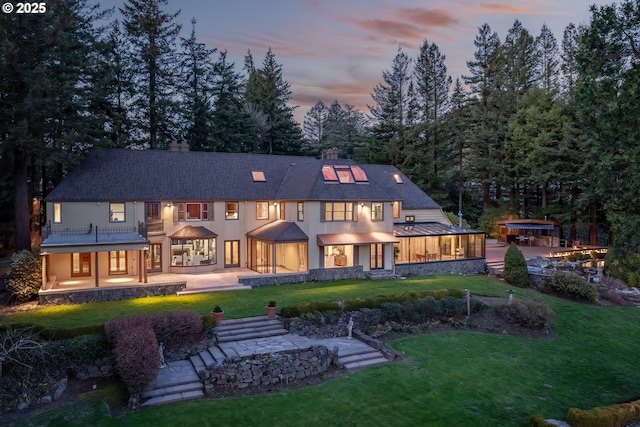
(232, 253)
(154, 258)
(377, 256)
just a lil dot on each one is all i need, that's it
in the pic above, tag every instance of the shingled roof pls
(128, 175)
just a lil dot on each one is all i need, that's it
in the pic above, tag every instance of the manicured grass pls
(247, 303)
(449, 379)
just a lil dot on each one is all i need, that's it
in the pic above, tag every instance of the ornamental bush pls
(176, 328)
(529, 314)
(137, 357)
(571, 284)
(25, 276)
(515, 267)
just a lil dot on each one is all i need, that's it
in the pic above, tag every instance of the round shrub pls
(515, 267)
(25, 276)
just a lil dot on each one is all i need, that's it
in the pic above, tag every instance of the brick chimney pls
(332, 153)
(178, 146)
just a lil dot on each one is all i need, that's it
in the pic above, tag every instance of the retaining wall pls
(460, 266)
(109, 294)
(270, 368)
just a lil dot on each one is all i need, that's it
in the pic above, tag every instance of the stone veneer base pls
(59, 297)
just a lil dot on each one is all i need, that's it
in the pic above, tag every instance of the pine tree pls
(196, 78)
(153, 34)
(569, 65)
(313, 128)
(390, 112)
(232, 131)
(428, 150)
(548, 61)
(268, 93)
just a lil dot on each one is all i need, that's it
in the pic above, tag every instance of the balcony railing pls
(47, 230)
(155, 225)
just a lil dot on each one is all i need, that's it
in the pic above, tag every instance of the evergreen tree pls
(390, 112)
(232, 130)
(313, 128)
(267, 92)
(548, 61)
(483, 122)
(50, 113)
(196, 77)
(153, 34)
(515, 267)
(429, 152)
(569, 65)
(607, 105)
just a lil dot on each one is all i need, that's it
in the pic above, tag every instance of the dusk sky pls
(338, 49)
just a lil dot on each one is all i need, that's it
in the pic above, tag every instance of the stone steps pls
(249, 328)
(361, 359)
(219, 288)
(176, 382)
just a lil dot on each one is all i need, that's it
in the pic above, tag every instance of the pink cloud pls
(506, 8)
(428, 18)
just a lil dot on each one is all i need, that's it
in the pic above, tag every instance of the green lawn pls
(450, 379)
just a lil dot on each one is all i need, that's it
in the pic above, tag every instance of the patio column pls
(144, 264)
(97, 270)
(274, 261)
(140, 261)
(43, 271)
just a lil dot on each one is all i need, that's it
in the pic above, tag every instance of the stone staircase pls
(180, 381)
(359, 359)
(249, 328)
(176, 382)
(495, 268)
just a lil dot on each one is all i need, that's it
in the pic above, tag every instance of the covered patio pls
(530, 232)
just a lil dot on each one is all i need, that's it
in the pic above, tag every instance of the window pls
(262, 210)
(396, 209)
(116, 212)
(57, 213)
(258, 176)
(281, 207)
(152, 211)
(231, 210)
(117, 262)
(193, 212)
(338, 211)
(192, 253)
(377, 211)
(300, 211)
(397, 178)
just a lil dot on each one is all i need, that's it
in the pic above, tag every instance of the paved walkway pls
(291, 342)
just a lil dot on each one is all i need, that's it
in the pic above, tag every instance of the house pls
(127, 214)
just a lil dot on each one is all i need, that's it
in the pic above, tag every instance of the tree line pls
(535, 129)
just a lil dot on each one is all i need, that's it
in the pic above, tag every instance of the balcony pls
(155, 226)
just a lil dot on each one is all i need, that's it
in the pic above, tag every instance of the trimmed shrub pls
(76, 351)
(604, 416)
(571, 284)
(298, 309)
(529, 314)
(176, 328)
(137, 357)
(621, 263)
(515, 267)
(25, 276)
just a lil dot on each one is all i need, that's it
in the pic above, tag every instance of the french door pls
(377, 256)
(232, 253)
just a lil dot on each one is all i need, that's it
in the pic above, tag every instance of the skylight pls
(359, 174)
(344, 176)
(397, 178)
(258, 176)
(328, 173)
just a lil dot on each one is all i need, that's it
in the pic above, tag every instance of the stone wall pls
(460, 266)
(326, 274)
(270, 368)
(111, 293)
(314, 275)
(272, 279)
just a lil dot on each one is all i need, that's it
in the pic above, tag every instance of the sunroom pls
(433, 242)
(278, 247)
